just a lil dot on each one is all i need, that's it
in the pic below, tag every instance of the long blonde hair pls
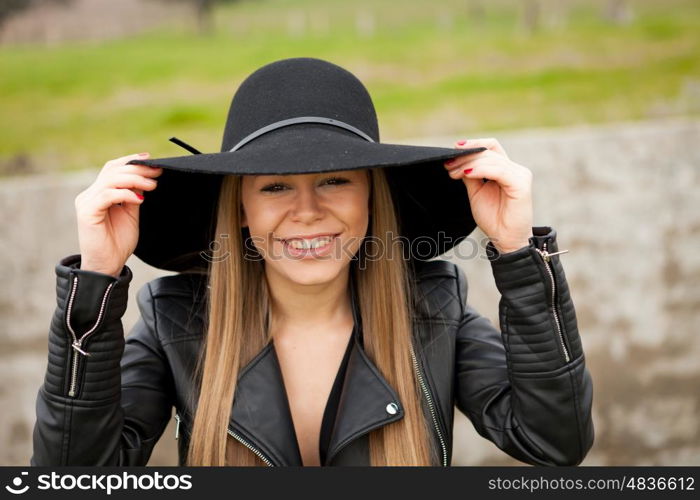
(236, 331)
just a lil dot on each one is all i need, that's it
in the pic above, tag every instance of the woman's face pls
(307, 227)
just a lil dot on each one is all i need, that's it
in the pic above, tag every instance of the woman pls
(306, 324)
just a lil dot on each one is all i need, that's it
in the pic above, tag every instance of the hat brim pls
(178, 217)
(308, 149)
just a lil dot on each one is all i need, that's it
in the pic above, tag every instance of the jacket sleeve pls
(526, 388)
(105, 400)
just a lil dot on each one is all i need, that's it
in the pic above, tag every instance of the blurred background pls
(599, 98)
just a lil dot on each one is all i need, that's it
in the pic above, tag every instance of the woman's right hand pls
(108, 213)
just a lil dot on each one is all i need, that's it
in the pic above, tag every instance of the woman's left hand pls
(501, 207)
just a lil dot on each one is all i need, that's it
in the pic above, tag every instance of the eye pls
(337, 180)
(271, 187)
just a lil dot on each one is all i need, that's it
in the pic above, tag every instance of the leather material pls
(514, 384)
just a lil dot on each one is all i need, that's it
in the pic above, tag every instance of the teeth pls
(307, 244)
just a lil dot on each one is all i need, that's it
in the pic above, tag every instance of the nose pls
(307, 205)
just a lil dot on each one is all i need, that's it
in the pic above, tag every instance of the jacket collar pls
(261, 413)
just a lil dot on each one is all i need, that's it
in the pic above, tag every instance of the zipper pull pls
(546, 256)
(177, 426)
(76, 345)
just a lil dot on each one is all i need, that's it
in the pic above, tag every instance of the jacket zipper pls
(233, 434)
(421, 381)
(250, 447)
(546, 257)
(78, 342)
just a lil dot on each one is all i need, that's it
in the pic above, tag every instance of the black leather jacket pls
(526, 387)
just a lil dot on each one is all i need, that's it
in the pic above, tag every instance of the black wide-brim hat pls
(298, 116)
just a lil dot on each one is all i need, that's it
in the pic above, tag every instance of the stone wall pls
(624, 201)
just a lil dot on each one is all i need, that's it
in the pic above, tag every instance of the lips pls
(309, 237)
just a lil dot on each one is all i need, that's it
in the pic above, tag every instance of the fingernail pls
(450, 162)
(143, 154)
(468, 170)
(461, 143)
(139, 195)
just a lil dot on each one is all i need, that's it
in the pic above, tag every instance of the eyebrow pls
(271, 177)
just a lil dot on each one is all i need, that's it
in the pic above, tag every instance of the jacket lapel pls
(365, 402)
(261, 412)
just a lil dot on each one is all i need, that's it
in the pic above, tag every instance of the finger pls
(454, 164)
(119, 179)
(488, 142)
(456, 169)
(508, 177)
(133, 208)
(114, 196)
(143, 170)
(122, 160)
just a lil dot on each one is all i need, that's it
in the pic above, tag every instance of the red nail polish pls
(468, 170)
(140, 196)
(461, 143)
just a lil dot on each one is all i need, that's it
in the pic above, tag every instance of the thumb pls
(132, 209)
(473, 185)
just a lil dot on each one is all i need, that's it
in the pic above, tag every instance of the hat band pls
(300, 119)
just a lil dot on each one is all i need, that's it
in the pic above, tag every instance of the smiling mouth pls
(309, 244)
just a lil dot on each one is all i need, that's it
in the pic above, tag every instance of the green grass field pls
(432, 68)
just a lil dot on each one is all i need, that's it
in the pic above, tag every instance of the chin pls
(307, 273)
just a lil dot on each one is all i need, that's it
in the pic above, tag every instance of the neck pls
(309, 311)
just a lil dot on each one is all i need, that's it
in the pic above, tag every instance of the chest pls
(309, 369)
(260, 410)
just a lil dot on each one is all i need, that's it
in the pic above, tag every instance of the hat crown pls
(296, 87)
